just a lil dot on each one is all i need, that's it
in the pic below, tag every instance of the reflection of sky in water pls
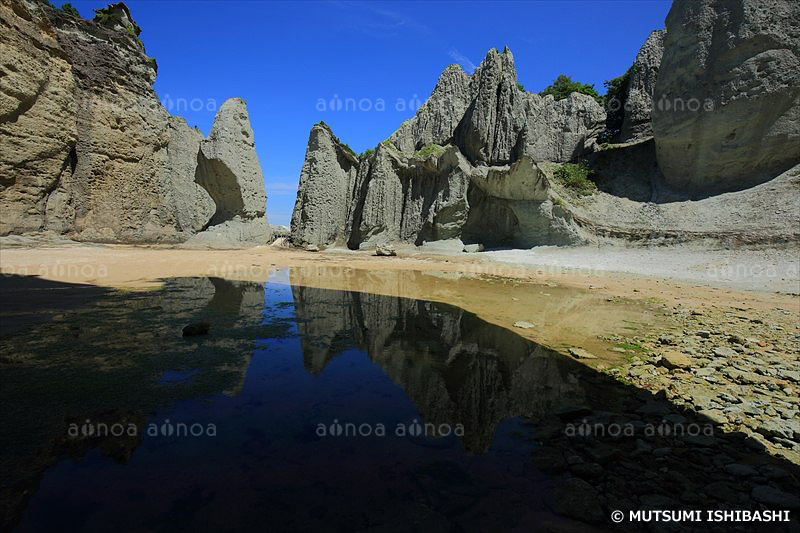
(175, 376)
(267, 459)
(282, 362)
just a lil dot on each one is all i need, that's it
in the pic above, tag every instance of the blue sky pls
(289, 60)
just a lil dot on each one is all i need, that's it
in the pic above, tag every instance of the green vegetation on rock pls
(429, 150)
(563, 86)
(614, 104)
(70, 10)
(617, 88)
(575, 176)
(107, 19)
(631, 347)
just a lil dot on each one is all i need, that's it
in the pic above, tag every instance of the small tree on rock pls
(563, 86)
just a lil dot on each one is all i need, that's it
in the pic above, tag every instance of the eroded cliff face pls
(728, 93)
(88, 151)
(326, 191)
(637, 123)
(435, 177)
(706, 148)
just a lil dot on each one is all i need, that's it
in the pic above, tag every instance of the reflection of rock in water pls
(102, 359)
(456, 368)
(615, 447)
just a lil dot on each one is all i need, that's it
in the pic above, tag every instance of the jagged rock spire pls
(435, 121)
(488, 131)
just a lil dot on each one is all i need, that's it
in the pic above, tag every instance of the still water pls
(302, 409)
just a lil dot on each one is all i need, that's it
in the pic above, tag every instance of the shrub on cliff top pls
(69, 10)
(563, 86)
(428, 150)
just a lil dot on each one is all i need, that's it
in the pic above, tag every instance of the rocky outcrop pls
(503, 121)
(710, 107)
(229, 171)
(727, 114)
(409, 198)
(438, 117)
(88, 151)
(487, 132)
(37, 94)
(326, 190)
(434, 179)
(637, 124)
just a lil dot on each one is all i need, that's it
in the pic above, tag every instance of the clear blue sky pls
(283, 57)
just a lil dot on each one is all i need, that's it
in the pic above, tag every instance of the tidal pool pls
(313, 409)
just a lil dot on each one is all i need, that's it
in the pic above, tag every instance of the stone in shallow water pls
(773, 472)
(580, 353)
(587, 470)
(198, 328)
(549, 460)
(741, 470)
(658, 501)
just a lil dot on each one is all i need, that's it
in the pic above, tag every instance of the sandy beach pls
(551, 288)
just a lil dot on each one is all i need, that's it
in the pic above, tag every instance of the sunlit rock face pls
(727, 106)
(88, 151)
(710, 107)
(416, 186)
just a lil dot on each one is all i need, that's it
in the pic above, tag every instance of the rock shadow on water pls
(546, 442)
(78, 356)
(603, 445)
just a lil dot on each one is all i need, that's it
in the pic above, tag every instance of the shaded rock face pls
(418, 185)
(412, 199)
(88, 151)
(727, 113)
(487, 132)
(637, 124)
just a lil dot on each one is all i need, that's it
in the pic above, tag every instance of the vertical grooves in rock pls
(86, 91)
